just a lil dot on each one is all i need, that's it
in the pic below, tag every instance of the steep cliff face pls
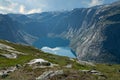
(100, 40)
(93, 32)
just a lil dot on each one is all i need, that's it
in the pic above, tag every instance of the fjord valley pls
(92, 32)
(78, 44)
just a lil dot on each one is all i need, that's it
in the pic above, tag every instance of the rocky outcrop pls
(5, 73)
(5, 47)
(10, 55)
(48, 74)
(95, 72)
(9, 52)
(40, 63)
(85, 63)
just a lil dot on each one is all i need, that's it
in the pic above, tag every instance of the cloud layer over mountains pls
(37, 6)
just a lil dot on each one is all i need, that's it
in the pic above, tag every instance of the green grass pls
(33, 53)
(110, 71)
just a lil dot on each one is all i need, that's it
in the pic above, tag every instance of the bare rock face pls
(99, 40)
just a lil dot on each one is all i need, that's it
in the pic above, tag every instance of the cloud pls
(37, 6)
(22, 9)
(8, 6)
(96, 2)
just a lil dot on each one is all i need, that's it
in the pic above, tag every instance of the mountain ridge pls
(11, 30)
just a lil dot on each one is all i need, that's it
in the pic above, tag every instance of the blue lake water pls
(51, 45)
(51, 42)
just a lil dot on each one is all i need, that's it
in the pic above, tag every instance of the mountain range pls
(93, 33)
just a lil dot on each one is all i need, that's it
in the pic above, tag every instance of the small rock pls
(69, 66)
(85, 63)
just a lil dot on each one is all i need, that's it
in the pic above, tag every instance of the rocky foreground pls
(20, 62)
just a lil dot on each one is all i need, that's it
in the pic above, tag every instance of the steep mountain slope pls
(93, 32)
(100, 40)
(32, 63)
(10, 30)
(20, 62)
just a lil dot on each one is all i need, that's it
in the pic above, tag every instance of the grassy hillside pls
(71, 68)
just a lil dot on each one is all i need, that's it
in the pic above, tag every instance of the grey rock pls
(5, 73)
(10, 55)
(49, 74)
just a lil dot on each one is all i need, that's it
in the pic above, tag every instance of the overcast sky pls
(37, 6)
